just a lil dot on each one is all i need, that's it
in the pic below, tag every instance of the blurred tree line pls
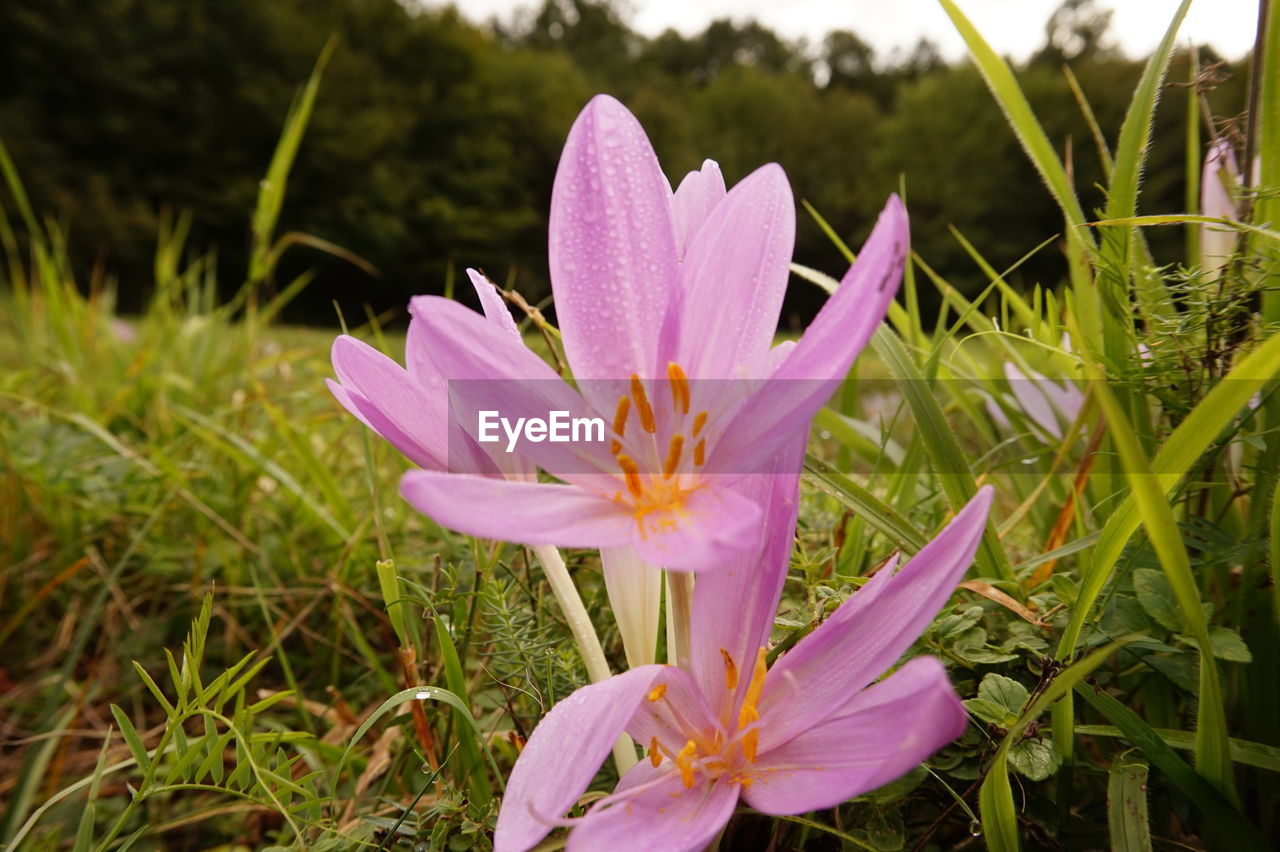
(435, 139)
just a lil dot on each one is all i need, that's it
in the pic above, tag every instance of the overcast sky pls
(1014, 27)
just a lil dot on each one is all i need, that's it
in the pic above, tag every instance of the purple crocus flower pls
(655, 292)
(808, 733)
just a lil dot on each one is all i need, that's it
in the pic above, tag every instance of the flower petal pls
(884, 732)
(495, 310)
(674, 714)
(612, 246)
(520, 511)
(712, 525)
(822, 358)
(695, 198)
(733, 608)
(491, 370)
(660, 814)
(733, 279)
(869, 631)
(391, 402)
(635, 593)
(563, 754)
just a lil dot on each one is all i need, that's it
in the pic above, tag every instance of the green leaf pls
(1227, 645)
(1000, 700)
(1127, 821)
(131, 737)
(1034, 758)
(1156, 597)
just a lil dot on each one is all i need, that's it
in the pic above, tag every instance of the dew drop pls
(975, 828)
(422, 696)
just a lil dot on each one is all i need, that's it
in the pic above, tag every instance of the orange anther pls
(700, 453)
(730, 671)
(684, 760)
(657, 692)
(673, 456)
(655, 755)
(679, 387)
(647, 421)
(699, 421)
(632, 473)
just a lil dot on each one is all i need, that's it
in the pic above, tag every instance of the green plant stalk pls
(557, 574)
(1191, 147)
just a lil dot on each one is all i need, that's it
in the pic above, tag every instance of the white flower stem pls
(557, 574)
(679, 615)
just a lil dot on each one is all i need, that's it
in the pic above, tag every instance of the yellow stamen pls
(700, 453)
(684, 760)
(679, 387)
(698, 422)
(657, 692)
(632, 472)
(750, 742)
(620, 423)
(673, 456)
(647, 421)
(620, 416)
(748, 713)
(655, 756)
(730, 671)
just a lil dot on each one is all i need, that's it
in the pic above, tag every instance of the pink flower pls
(667, 304)
(807, 733)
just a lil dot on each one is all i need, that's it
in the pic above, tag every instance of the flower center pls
(659, 472)
(730, 749)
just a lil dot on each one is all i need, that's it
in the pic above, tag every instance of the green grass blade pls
(1127, 819)
(404, 696)
(272, 192)
(950, 465)
(1247, 752)
(1126, 175)
(1220, 815)
(1008, 94)
(455, 677)
(867, 506)
(1268, 149)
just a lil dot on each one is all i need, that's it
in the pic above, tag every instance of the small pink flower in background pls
(667, 304)
(806, 734)
(1048, 404)
(1219, 191)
